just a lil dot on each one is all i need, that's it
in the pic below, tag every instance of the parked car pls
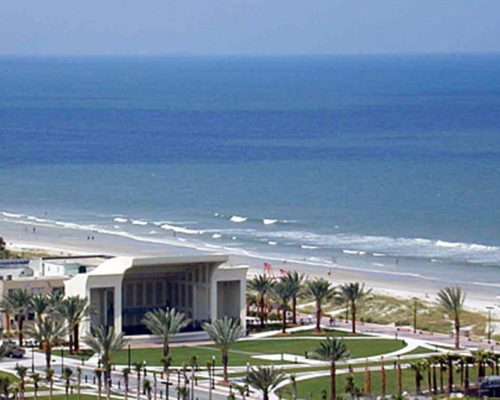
(490, 386)
(12, 351)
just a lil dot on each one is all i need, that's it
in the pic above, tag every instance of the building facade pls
(122, 289)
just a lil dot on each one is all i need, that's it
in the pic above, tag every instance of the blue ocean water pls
(313, 158)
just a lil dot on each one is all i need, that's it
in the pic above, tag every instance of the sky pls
(246, 27)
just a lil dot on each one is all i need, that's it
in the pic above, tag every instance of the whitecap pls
(180, 229)
(11, 215)
(216, 236)
(120, 219)
(378, 255)
(268, 221)
(272, 243)
(308, 247)
(139, 222)
(238, 219)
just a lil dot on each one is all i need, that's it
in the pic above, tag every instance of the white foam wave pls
(180, 229)
(269, 221)
(272, 243)
(216, 236)
(378, 255)
(308, 247)
(120, 219)
(11, 215)
(139, 222)
(238, 219)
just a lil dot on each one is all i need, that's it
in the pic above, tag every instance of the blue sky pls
(161, 27)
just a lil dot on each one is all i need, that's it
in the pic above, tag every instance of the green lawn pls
(324, 333)
(311, 389)
(358, 348)
(242, 352)
(420, 350)
(82, 354)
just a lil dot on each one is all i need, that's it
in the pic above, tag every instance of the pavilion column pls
(118, 308)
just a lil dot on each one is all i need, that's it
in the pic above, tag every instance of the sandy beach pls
(75, 242)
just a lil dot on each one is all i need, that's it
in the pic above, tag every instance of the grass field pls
(242, 352)
(312, 389)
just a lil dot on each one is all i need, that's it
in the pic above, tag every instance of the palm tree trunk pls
(434, 378)
(333, 383)
(368, 381)
(225, 359)
(441, 377)
(20, 330)
(48, 356)
(76, 338)
(383, 385)
(466, 377)
(450, 375)
(284, 320)
(262, 311)
(318, 316)
(70, 341)
(457, 335)
(429, 378)
(51, 389)
(353, 316)
(294, 310)
(400, 381)
(265, 395)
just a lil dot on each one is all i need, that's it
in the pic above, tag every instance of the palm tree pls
(419, 367)
(352, 294)
(265, 379)
(138, 369)
(224, 332)
(21, 303)
(48, 332)
(296, 282)
(452, 300)
(283, 291)
(262, 285)
(320, 290)
(67, 372)
(104, 341)
(39, 305)
(74, 310)
(49, 377)
(126, 372)
(21, 371)
(332, 350)
(165, 324)
(36, 378)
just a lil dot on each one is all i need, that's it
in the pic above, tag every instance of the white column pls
(213, 294)
(118, 308)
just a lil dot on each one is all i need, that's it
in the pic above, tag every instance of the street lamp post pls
(489, 323)
(33, 360)
(129, 356)
(62, 360)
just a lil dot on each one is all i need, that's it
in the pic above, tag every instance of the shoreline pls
(47, 241)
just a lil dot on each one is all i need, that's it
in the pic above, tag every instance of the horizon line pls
(241, 55)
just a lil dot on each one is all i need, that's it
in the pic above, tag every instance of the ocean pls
(389, 164)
